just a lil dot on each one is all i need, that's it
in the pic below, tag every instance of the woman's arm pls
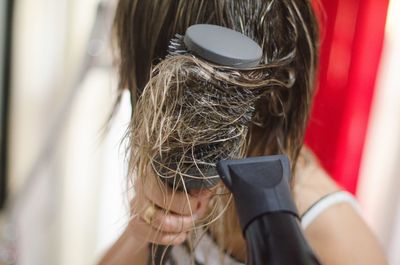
(339, 235)
(127, 250)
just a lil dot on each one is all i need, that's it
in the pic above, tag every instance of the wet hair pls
(285, 29)
(187, 111)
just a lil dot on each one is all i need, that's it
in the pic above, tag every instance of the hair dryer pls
(267, 214)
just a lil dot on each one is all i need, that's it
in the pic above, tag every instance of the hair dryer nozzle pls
(260, 185)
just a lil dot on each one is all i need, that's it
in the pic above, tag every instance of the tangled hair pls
(285, 29)
(189, 113)
(192, 114)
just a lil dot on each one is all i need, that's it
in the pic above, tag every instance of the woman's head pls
(188, 111)
(285, 29)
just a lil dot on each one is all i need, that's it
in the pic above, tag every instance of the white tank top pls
(207, 253)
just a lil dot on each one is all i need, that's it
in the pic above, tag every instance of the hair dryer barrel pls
(266, 210)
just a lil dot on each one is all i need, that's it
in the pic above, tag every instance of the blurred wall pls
(66, 210)
(378, 189)
(38, 84)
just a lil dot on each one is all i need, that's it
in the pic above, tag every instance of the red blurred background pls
(352, 40)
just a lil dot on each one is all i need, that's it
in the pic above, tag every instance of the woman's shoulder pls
(311, 181)
(333, 221)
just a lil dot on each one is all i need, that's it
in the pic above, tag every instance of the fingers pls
(163, 216)
(177, 202)
(158, 227)
(172, 223)
(147, 233)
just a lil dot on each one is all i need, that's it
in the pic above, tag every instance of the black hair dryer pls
(267, 213)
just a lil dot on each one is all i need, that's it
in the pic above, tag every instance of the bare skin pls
(339, 236)
(340, 229)
(164, 229)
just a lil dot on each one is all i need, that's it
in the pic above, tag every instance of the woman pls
(287, 32)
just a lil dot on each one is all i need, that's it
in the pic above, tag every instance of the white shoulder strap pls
(326, 202)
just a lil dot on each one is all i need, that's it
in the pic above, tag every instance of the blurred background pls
(62, 187)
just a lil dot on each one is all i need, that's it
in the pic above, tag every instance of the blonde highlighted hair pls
(189, 113)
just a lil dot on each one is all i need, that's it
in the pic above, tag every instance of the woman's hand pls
(162, 216)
